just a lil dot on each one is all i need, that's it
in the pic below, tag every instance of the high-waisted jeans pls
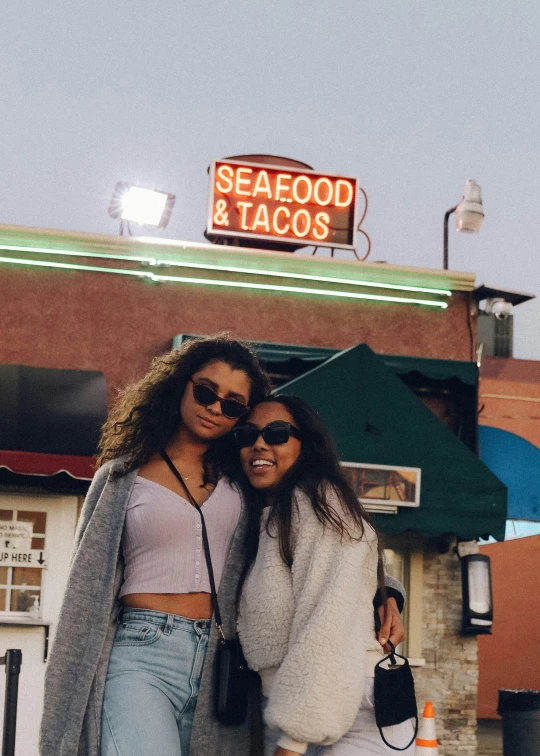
(152, 684)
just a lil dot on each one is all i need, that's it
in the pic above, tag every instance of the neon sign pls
(284, 204)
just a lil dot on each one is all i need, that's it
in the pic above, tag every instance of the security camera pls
(499, 307)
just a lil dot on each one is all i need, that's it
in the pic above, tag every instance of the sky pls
(411, 97)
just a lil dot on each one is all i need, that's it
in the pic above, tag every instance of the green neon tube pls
(232, 269)
(301, 290)
(233, 284)
(73, 253)
(306, 277)
(74, 266)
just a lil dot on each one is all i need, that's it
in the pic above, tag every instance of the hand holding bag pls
(231, 671)
(395, 699)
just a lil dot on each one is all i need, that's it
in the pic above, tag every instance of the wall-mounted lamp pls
(477, 594)
(147, 207)
(469, 214)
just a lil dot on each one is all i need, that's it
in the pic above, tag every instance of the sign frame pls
(212, 230)
(388, 505)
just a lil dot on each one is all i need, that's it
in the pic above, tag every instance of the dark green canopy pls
(375, 418)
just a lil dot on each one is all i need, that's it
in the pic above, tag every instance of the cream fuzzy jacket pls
(309, 630)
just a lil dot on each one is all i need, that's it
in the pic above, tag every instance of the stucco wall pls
(508, 658)
(68, 319)
(510, 396)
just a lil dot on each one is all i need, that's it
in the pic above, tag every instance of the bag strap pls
(217, 613)
(392, 659)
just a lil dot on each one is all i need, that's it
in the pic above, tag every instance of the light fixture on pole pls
(469, 214)
(147, 207)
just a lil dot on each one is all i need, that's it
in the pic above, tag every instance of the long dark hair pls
(318, 474)
(146, 414)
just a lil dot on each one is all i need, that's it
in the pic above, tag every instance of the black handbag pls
(394, 696)
(231, 671)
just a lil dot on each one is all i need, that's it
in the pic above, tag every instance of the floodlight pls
(147, 207)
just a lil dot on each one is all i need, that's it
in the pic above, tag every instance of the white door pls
(30, 595)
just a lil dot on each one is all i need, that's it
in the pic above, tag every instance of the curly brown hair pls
(146, 414)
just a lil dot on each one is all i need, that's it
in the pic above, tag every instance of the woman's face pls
(265, 464)
(208, 422)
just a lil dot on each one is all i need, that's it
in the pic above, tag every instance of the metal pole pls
(13, 661)
(447, 215)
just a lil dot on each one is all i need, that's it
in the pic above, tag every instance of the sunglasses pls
(274, 434)
(231, 408)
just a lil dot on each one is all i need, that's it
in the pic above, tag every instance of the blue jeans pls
(152, 684)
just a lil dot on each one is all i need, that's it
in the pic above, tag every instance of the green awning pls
(374, 418)
(275, 353)
(439, 370)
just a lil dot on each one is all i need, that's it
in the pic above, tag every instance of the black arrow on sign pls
(41, 560)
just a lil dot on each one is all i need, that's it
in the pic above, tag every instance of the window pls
(405, 563)
(20, 586)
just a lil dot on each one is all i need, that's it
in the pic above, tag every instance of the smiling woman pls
(269, 445)
(315, 569)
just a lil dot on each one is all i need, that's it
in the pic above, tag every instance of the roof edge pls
(171, 249)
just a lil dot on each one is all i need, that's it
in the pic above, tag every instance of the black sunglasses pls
(274, 434)
(204, 395)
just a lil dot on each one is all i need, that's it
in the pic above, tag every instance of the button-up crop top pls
(162, 540)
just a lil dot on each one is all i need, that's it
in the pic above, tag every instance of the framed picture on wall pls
(384, 488)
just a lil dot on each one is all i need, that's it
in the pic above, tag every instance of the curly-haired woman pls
(128, 663)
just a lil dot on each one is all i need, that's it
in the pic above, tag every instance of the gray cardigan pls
(77, 667)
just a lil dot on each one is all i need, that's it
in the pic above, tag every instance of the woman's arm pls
(388, 622)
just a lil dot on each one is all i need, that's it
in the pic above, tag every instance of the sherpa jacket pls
(309, 630)
(77, 666)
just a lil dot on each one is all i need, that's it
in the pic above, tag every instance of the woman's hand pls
(391, 626)
(285, 752)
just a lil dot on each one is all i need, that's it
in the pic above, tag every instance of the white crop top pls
(162, 540)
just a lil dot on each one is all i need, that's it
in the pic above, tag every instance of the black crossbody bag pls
(394, 696)
(231, 672)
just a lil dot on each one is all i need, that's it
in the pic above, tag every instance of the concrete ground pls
(489, 734)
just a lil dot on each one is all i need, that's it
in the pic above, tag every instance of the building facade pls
(105, 306)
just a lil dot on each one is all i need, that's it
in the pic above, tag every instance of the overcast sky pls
(411, 97)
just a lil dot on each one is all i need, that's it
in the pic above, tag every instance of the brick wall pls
(450, 676)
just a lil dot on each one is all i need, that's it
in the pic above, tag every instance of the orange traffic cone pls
(426, 742)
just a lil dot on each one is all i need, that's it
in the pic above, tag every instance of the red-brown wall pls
(510, 396)
(115, 324)
(509, 658)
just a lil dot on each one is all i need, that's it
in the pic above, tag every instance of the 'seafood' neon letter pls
(316, 192)
(347, 188)
(262, 185)
(281, 186)
(225, 173)
(241, 181)
(295, 193)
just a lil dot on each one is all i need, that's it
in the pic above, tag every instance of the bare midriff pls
(192, 605)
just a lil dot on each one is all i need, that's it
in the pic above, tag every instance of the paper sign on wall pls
(15, 535)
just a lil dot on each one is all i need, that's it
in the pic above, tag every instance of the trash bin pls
(520, 712)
